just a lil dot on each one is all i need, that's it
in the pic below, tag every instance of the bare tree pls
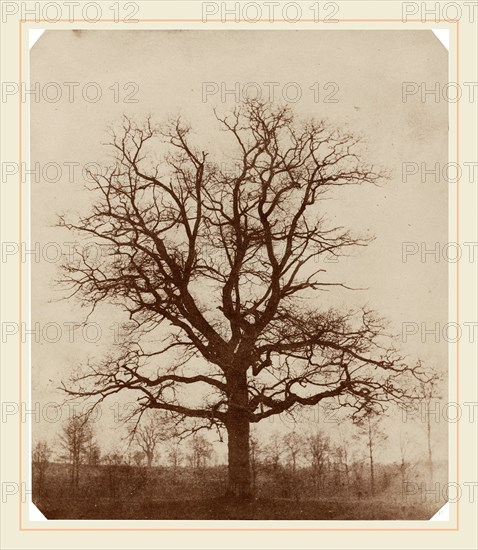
(405, 444)
(318, 450)
(200, 452)
(175, 455)
(431, 393)
(157, 428)
(273, 451)
(342, 456)
(255, 457)
(40, 460)
(75, 437)
(293, 445)
(219, 264)
(370, 427)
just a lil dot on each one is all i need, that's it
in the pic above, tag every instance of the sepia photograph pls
(240, 298)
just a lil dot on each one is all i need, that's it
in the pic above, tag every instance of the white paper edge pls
(443, 36)
(34, 513)
(443, 513)
(33, 36)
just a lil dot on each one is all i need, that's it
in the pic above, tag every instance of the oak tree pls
(220, 259)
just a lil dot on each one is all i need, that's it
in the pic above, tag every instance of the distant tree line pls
(297, 464)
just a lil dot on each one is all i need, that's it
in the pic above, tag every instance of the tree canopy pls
(217, 265)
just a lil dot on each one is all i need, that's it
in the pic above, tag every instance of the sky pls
(354, 79)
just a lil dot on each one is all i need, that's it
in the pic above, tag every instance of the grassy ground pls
(129, 492)
(224, 509)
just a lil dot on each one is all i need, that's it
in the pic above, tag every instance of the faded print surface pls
(365, 83)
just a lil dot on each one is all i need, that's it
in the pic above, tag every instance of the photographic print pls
(241, 297)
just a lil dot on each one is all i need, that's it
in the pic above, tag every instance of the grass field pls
(153, 494)
(224, 509)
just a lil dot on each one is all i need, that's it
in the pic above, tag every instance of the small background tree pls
(76, 442)
(371, 430)
(155, 428)
(318, 449)
(40, 461)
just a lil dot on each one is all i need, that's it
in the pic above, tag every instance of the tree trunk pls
(370, 447)
(347, 479)
(237, 425)
(429, 442)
